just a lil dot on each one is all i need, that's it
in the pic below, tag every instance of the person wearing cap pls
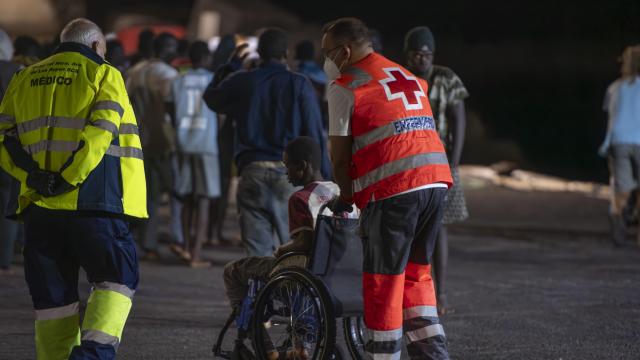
(446, 95)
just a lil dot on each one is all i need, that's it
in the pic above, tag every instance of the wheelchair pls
(294, 314)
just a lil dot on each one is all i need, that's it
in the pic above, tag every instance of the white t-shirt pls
(341, 102)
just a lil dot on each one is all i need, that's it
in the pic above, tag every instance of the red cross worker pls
(389, 161)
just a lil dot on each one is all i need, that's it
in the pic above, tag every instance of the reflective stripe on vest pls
(396, 127)
(7, 119)
(51, 121)
(108, 105)
(125, 152)
(71, 146)
(396, 167)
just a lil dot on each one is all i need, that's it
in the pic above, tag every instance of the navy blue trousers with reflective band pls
(58, 243)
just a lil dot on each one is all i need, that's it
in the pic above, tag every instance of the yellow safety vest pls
(71, 113)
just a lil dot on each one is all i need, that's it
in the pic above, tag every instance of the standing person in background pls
(389, 162)
(198, 178)
(622, 142)
(305, 54)
(145, 47)
(27, 51)
(271, 106)
(446, 95)
(149, 84)
(115, 55)
(10, 230)
(226, 134)
(376, 41)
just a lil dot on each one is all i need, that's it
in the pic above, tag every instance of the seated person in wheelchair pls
(302, 157)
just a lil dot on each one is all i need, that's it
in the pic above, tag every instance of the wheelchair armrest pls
(289, 254)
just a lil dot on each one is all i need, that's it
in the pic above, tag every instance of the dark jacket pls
(271, 106)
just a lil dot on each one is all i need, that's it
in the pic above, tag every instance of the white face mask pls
(331, 69)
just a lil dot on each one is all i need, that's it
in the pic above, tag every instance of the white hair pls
(82, 31)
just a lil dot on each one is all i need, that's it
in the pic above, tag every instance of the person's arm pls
(102, 127)
(341, 103)
(301, 222)
(13, 159)
(456, 93)
(607, 105)
(300, 242)
(221, 97)
(341, 159)
(311, 117)
(458, 118)
(222, 91)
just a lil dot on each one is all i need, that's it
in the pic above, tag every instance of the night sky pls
(536, 70)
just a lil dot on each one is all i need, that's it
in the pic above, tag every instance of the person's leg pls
(237, 274)
(149, 229)
(175, 204)
(108, 255)
(9, 229)
(440, 260)
(201, 221)
(281, 190)
(620, 164)
(225, 156)
(387, 229)
(424, 333)
(51, 270)
(255, 217)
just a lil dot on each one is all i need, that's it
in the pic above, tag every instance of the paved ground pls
(528, 292)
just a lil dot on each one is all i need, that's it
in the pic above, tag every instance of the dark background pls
(536, 70)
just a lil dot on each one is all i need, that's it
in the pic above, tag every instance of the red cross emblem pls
(400, 86)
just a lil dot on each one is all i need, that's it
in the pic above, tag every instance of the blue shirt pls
(271, 106)
(313, 71)
(196, 125)
(623, 105)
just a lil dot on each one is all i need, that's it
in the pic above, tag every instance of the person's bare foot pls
(443, 305)
(199, 264)
(180, 252)
(151, 255)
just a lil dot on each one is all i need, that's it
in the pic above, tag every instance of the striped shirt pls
(305, 204)
(445, 89)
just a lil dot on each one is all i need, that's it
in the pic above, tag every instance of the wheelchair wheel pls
(294, 315)
(355, 335)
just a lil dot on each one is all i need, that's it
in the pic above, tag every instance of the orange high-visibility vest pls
(396, 147)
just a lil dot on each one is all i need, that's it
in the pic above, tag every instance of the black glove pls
(337, 206)
(48, 183)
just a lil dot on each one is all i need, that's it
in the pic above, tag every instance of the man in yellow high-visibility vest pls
(69, 135)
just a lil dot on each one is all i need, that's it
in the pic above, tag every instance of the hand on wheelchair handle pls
(339, 206)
